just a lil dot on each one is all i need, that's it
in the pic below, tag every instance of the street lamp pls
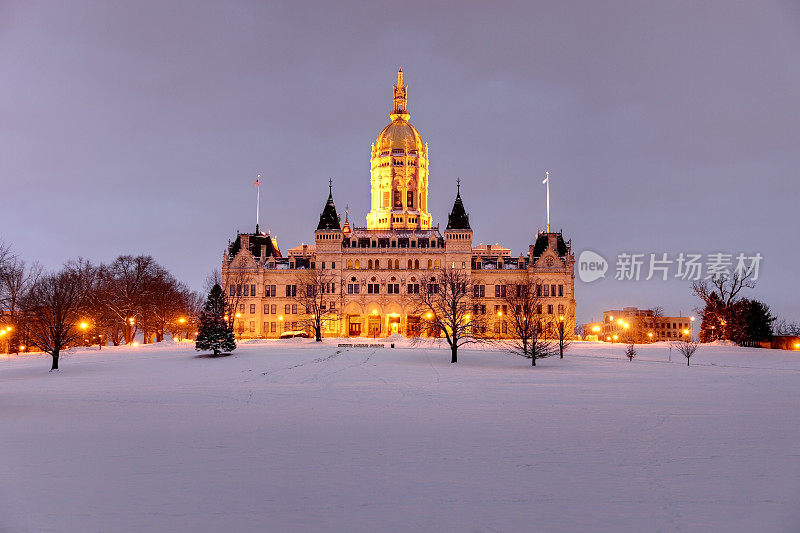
(84, 326)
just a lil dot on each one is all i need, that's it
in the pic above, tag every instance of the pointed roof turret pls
(329, 219)
(458, 218)
(346, 228)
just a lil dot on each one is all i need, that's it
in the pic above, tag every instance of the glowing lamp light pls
(626, 325)
(280, 318)
(84, 325)
(135, 343)
(596, 328)
(691, 318)
(429, 315)
(182, 320)
(620, 321)
(238, 315)
(466, 317)
(650, 335)
(374, 311)
(797, 346)
(499, 313)
(22, 347)
(608, 338)
(686, 332)
(561, 318)
(615, 337)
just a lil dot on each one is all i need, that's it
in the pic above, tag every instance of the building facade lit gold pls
(399, 171)
(376, 267)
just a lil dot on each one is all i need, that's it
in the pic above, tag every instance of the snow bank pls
(294, 435)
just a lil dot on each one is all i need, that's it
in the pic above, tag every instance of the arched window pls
(389, 264)
(369, 264)
(416, 264)
(430, 264)
(377, 264)
(397, 264)
(357, 265)
(350, 263)
(435, 264)
(410, 264)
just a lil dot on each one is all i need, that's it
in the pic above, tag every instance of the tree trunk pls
(687, 361)
(533, 359)
(561, 350)
(454, 353)
(55, 360)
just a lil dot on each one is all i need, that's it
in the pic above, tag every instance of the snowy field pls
(293, 436)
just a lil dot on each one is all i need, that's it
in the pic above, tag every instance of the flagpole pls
(547, 179)
(258, 199)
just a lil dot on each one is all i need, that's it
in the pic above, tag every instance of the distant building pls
(638, 325)
(784, 342)
(377, 268)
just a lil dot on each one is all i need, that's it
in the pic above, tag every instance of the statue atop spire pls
(400, 98)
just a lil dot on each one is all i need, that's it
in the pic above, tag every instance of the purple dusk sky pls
(139, 127)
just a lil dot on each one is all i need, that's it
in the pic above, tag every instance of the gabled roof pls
(541, 245)
(255, 241)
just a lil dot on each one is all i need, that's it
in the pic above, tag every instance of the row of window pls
(502, 310)
(478, 291)
(501, 291)
(386, 243)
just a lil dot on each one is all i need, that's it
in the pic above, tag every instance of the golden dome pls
(399, 134)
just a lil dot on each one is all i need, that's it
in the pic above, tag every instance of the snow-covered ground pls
(294, 436)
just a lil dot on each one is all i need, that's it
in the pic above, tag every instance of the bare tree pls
(232, 281)
(630, 351)
(189, 317)
(127, 283)
(16, 278)
(687, 348)
(317, 293)
(445, 304)
(727, 288)
(53, 307)
(564, 328)
(527, 329)
(658, 311)
(784, 327)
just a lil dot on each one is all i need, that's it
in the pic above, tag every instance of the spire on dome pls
(329, 219)
(400, 97)
(458, 218)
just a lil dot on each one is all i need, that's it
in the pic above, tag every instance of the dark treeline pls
(132, 297)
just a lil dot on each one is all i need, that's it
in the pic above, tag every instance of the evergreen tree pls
(214, 333)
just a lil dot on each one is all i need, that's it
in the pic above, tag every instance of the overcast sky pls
(139, 127)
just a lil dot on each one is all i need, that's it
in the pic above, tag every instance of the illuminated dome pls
(399, 171)
(399, 134)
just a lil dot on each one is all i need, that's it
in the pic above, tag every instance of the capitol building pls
(372, 272)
